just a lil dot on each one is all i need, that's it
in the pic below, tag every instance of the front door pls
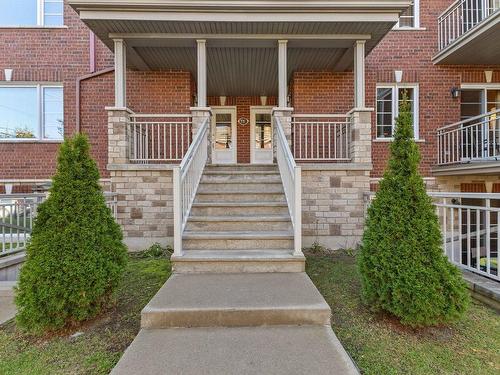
(261, 135)
(224, 135)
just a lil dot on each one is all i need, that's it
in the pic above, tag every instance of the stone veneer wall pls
(145, 204)
(333, 206)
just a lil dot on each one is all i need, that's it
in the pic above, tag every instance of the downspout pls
(78, 87)
(92, 74)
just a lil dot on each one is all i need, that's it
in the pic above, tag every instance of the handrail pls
(471, 119)
(292, 183)
(186, 178)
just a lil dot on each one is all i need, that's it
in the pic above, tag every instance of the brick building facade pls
(72, 56)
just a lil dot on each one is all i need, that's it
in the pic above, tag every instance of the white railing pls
(186, 178)
(158, 138)
(474, 139)
(292, 183)
(321, 137)
(17, 212)
(470, 224)
(462, 16)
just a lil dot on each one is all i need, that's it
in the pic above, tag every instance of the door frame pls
(234, 123)
(256, 109)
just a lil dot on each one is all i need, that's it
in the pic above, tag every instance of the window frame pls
(484, 88)
(40, 110)
(395, 108)
(40, 17)
(416, 18)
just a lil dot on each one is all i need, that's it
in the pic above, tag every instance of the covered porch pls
(242, 50)
(246, 106)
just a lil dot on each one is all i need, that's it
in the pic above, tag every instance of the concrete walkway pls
(267, 323)
(7, 306)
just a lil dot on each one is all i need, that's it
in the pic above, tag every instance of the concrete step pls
(238, 261)
(239, 196)
(242, 167)
(246, 187)
(241, 350)
(196, 240)
(239, 208)
(239, 223)
(241, 178)
(230, 300)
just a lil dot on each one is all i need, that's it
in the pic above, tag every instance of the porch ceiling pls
(242, 54)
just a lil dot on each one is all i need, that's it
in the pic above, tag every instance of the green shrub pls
(76, 256)
(402, 264)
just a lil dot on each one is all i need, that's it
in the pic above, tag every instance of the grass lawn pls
(381, 346)
(378, 344)
(103, 340)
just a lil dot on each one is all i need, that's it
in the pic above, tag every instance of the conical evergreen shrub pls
(402, 264)
(76, 256)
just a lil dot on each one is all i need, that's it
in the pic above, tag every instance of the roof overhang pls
(487, 167)
(479, 46)
(241, 35)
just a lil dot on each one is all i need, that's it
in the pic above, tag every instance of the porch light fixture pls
(8, 74)
(398, 75)
(488, 75)
(455, 93)
(263, 100)
(222, 100)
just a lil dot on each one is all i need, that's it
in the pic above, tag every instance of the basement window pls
(31, 113)
(389, 99)
(31, 13)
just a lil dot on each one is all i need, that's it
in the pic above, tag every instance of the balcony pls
(470, 146)
(468, 33)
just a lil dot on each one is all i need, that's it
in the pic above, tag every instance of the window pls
(388, 108)
(19, 13)
(263, 131)
(31, 112)
(476, 101)
(410, 18)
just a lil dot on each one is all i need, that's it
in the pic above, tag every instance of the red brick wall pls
(147, 92)
(412, 52)
(53, 55)
(243, 104)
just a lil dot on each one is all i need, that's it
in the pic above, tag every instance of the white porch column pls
(120, 74)
(202, 72)
(359, 74)
(282, 73)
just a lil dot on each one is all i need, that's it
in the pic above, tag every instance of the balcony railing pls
(159, 138)
(474, 139)
(461, 17)
(17, 213)
(321, 137)
(470, 225)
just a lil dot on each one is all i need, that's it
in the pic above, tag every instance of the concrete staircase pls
(239, 222)
(239, 301)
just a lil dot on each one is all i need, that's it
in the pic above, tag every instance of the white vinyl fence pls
(186, 178)
(17, 212)
(470, 224)
(292, 183)
(159, 138)
(321, 137)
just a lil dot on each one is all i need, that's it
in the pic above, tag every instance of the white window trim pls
(395, 109)
(416, 24)
(40, 19)
(40, 111)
